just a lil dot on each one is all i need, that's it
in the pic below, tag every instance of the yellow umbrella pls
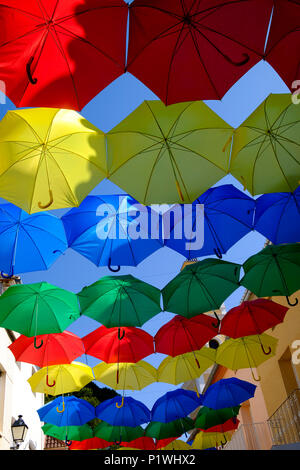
(177, 445)
(188, 366)
(205, 440)
(132, 376)
(62, 378)
(50, 158)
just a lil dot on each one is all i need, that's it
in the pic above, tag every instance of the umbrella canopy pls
(132, 412)
(115, 345)
(175, 405)
(175, 428)
(120, 301)
(90, 444)
(126, 376)
(229, 425)
(252, 318)
(273, 215)
(265, 156)
(207, 440)
(37, 309)
(208, 418)
(51, 158)
(201, 287)
(177, 445)
(228, 217)
(275, 270)
(117, 434)
(186, 367)
(147, 443)
(67, 411)
(61, 54)
(181, 335)
(108, 231)
(62, 378)
(56, 348)
(168, 154)
(226, 393)
(187, 50)
(76, 433)
(29, 242)
(247, 352)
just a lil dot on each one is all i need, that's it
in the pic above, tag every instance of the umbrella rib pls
(200, 155)
(34, 243)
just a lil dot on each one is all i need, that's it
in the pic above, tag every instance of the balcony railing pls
(254, 436)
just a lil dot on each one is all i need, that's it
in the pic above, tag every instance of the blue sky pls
(72, 271)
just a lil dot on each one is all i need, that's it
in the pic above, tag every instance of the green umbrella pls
(120, 301)
(169, 154)
(274, 271)
(265, 152)
(73, 433)
(118, 434)
(201, 287)
(172, 429)
(208, 417)
(37, 309)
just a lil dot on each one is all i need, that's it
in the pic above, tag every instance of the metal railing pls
(254, 436)
(285, 422)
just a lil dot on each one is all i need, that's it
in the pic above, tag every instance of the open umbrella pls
(147, 443)
(126, 376)
(51, 158)
(168, 154)
(186, 50)
(120, 301)
(273, 215)
(208, 417)
(265, 156)
(90, 444)
(226, 393)
(229, 425)
(207, 440)
(67, 411)
(117, 434)
(128, 412)
(29, 242)
(61, 54)
(57, 348)
(178, 444)
(228, 217)
(112, 230)
(68, 433)
(176, 428)
(175, 405)
(274, 271)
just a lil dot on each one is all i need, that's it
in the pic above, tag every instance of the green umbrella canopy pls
(274, 271)
(172, 429)
(265, 152)
(208, 417)
(73, 433)
(120, 301)
(36, 309)
(169, 154)
(118, 433)
(201, 287)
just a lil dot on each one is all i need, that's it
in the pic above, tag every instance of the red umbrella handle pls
(47, 382)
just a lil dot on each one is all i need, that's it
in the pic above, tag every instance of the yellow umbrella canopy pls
(188, 366)
(126, 375)
(265, 152)
(62, 378)
(177, 445)
(205, 440)
(169, 154)
(50, 158)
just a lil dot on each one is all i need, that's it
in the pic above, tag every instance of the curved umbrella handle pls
(238, 63)
(7, 276)
(32, 80)
(67, 442)
(37, 346)
(113, 270)
(117, 443)
(119, 334)
(257, 379)
(63, 408)
(289, 302)
(44, 206)
(122, 403)
(216, 325)
(223, 443)
(47, 382)
(218, 253)
(264, 351)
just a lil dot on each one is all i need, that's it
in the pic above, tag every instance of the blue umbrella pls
(113, 230)
(67, 411)
(29, 242)
(227, 393)
(212, 224)
(124, 411)
(277, 217)
(175, 405)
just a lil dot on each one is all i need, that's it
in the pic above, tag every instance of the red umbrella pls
(55, 348)
(115, 345)
(181, 335)
(59, 53)
(284, 36)
(148, 443)
(187, 50)
(229, 425)
(90, 444)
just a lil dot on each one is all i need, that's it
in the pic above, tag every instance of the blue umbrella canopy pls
(227, 393)
(277, 217)
(212, 224)
(113, 230)
(29, 242)
(124, 411)
(67, 411)
(175, 405)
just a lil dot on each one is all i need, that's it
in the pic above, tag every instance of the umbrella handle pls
(218, 253)
(118, 443)
(68, 443)
(197, 362)
(223, 443)
(47, 382)
(32, 80)
(119, 334)
(122, 403)
(44, 206)
(264, 351)
(37, 346)
(238, 63)
(63, 408)
(114, 270)
(6, 276)
(289, 302)
(258, 379)
(216, 325)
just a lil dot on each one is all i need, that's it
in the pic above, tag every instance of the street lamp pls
(19, 430)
